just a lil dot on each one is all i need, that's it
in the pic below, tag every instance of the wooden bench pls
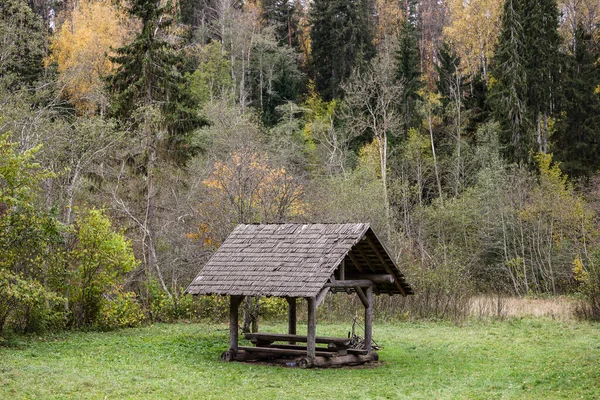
(268, 338)
(335, 346)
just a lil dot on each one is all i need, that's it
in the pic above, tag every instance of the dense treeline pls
(136, 134)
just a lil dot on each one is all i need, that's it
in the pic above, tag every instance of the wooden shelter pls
(300, 261)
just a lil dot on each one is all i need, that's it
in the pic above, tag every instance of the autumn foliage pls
(81, 48)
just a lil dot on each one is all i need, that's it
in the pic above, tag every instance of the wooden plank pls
(300, 347)
(350, 283)
(385, 265)
(312, 328)
(282, 337)
(279, 351)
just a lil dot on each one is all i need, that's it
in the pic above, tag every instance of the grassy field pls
(519, 358)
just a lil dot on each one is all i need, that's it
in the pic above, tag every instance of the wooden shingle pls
(293, 260)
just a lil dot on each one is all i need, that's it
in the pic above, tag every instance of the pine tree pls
(408, 68)
(149, 74)
(446, 69)
(23, 44)
(524, 73)
(342, 40)
(542, 40)
(150, 96)
(283, 16)
(577, 140)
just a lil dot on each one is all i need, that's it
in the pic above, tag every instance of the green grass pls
(514, 359)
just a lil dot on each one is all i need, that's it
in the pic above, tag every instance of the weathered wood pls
(355, 261)
(312, 328)
(364, 256)
(361, 295)
(342, 269)
(349, 359)
(369, 319)
(281, 337)
(385, 265)
(300, 347)
(291, 260)
(375, 278)
(321, 296)
(234, 304)
(332, 349)
(282, 352)
(350, 283)
(320, 360)
(291, 317)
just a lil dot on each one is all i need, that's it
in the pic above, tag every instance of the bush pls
(119, 309)
(99, 258)
(163, 308)
(26, 306)
(589, 279)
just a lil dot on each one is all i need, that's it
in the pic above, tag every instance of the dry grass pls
(557, 308)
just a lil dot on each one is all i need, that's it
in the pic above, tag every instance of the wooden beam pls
(323, 359)
(280, 351)
(349, 359)
(369, 319)
(281, 337)
(234, 304)
(355, 261)
(362, 296)
(291, 317)
(350, 283)
(375, 278)
(342, 270)
(321, 296)
(387, 268)
(312, 328)
(362, 253)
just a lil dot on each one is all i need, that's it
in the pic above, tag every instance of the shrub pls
(119, 309)
(99, 258)
(26, 306)
(589, 279)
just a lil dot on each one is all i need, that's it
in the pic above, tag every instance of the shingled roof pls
(295, 260)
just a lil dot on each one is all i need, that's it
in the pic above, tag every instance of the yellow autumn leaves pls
(89, 34)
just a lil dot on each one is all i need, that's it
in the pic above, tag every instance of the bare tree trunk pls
(435, 164)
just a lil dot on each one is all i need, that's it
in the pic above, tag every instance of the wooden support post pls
(342, 270)
(234, 305)
(291, 317)
(369, 319)
(312, 328)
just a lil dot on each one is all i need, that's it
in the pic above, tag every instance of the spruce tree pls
(542, 63)
(577, 139)
(524, 75)
(408, 70)
(342, 40)
(446, 69)
(283, 16)
(149, 74)
(23, 44)
(149, 96)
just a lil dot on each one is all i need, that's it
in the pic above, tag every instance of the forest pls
(136, 134)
